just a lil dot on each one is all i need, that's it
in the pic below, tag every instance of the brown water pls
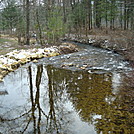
(61, 98)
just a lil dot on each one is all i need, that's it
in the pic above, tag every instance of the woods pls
(66, 66)
(52, 19)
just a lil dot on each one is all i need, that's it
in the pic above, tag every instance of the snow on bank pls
(13, 60)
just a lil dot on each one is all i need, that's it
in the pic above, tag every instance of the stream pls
(86, 92)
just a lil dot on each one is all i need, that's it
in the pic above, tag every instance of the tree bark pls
(27, 22)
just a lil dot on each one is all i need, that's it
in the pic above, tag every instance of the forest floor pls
(8, 44)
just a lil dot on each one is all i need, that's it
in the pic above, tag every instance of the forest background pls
(52, 19)
(47, 21)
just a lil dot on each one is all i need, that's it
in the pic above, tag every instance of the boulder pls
(66, 48)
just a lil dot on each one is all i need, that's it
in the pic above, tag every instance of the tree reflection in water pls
(36, 117)
(35, 102)
(50, 109)
(93, 98)
(52, 124)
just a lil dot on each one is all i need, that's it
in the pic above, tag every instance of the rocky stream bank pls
(107, 43)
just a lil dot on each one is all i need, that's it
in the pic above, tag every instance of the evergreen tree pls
(10, 15)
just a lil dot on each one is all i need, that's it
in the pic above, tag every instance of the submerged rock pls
(3, 92)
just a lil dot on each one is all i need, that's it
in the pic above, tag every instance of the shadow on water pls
(49, 100)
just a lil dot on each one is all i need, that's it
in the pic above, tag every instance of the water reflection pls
(49, 100)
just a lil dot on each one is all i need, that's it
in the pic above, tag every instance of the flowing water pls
(87, 92)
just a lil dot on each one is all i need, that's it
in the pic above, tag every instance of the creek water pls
(87, 92)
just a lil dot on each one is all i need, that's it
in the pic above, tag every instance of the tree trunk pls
(125, 15)
(39, 27)
(89, 14)
(106, 10)
(27, 22)
(132, 15)
(97, 15)
(64, 11)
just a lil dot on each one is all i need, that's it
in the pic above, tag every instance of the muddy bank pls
(13, 60)
(118, 45)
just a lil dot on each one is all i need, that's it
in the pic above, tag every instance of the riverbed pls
(86, 92)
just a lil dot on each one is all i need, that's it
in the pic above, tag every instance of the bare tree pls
(27, 22)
